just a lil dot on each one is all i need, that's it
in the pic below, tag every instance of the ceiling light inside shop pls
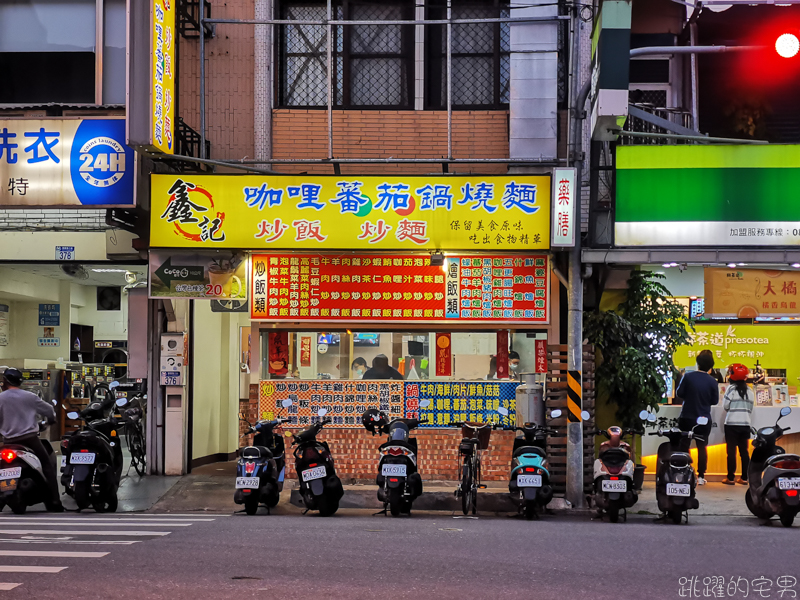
(732, 265)
(110, 270)
(666, 265)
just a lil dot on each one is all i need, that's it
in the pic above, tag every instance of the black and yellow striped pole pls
(574, 396)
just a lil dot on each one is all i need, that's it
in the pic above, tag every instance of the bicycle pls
(133, 415)
(475, 438)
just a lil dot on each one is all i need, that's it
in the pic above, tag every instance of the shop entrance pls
(66, 327)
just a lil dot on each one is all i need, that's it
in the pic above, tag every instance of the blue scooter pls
(529, 483)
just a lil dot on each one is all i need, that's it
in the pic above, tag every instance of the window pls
(374, 64)
(56, 40)
(480, 56)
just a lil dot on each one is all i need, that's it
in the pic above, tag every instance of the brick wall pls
(303, 133)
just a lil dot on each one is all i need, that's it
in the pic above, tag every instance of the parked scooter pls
(676, 480)
(262, 466)
(22, 481)
(613, 474)
(320, 488)
(91, 463)
(773, 476)
(398, 480)
(529, 482)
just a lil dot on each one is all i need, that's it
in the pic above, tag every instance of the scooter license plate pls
(393, 470)
(614, 485)
(315, 473)
(529, 481)
(12, 473)
(678, 489)
(82, 458)
(789, 483)
(247, 483)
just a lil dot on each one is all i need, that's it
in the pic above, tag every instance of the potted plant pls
(636, 343)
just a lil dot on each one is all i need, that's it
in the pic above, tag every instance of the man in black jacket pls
(699, 392)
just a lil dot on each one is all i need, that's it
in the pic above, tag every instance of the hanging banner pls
(751, 293)
(333, 212)
(502, 354)
(278, 359)
(399, 288)
(4, 324)
(305, 351)
(444, 355)
(540, 349)
(219, 276)
(453, 402)
(563, 208)
(65, 162)
(345, 400)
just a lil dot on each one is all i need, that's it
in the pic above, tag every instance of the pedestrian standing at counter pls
(699, 392)
(738, 403)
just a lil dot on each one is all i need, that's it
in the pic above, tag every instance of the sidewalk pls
(210, 488)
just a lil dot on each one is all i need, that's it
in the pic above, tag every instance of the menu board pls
(460, 401)
(399, 288)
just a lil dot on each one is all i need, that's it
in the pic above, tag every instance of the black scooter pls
(22, 481)
(398, 480)
(675, 477)
(320, 488)
(262, 466)
(92, 456)
(773, 476)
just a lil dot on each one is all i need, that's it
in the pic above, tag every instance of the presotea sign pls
(399, 288)
(708, 196)
(344, 213)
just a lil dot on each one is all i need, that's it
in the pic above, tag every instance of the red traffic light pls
(787, 45)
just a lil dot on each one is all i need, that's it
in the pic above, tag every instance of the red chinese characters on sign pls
(444, 355)
(305, 351)
(563, 207)
(541, 356)
(278, 352)
(398, 288)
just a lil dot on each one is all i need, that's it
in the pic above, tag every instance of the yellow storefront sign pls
(164, 66)
(333, 212)
(751, 293)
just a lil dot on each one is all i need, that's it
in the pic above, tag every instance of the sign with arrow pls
(217, 276)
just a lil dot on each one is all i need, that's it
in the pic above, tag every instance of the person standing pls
(699, 392)
(738, 403)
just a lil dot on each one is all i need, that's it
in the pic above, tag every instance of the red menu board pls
(372, 288)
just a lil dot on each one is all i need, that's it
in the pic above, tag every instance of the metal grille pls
(654, 98)
(373, 63)
(480, 57)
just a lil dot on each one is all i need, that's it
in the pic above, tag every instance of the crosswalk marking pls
(97, 520)
(68, 532)
(83, 542)
(29, 569)
(78, 523)
(8, 586)
(52, 554)
(163, 515)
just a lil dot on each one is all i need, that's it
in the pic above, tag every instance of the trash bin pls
(530, 400)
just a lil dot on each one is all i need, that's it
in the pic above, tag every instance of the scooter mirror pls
(424, 403)
(122, 401)
(554, 414)
(72, 415)
(502, 410)
(322, 412)
(651, 418)
(785, 411)
(585, 415)
(286, 403)
(113, 385)
(702, 420)
(644, 415)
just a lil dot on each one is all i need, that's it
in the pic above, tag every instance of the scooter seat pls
(256, 452)
(780, 458)
(529, 450)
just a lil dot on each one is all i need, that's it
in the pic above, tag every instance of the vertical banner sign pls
(502, 354)
(563, 208)
(3, 324)
(305, 351)
(278, 352)
(541, 356)
(444, 355)
(163, 92)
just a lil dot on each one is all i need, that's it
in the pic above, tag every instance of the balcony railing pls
(648, 118)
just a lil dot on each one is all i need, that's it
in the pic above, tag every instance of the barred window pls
(481, 62)
(373, 63)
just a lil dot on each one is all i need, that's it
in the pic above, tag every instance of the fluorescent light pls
(732, 265)
(666, 265)
(110, 270)
(796, 265)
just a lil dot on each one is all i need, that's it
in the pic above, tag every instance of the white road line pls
(81, 542)
(90, 523)
(99, 520)
(4, 587)
(170, 515)
(29, 569)
(60, 532)
(52, 554)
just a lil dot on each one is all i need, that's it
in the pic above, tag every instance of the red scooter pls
(613, 474)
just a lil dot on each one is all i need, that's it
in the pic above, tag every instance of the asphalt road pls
(355, 555)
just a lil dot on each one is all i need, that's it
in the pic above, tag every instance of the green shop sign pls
(708, 196)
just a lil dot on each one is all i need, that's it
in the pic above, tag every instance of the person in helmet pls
(20, 411)
(738, 404)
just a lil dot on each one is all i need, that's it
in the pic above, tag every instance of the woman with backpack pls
(738, 403)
